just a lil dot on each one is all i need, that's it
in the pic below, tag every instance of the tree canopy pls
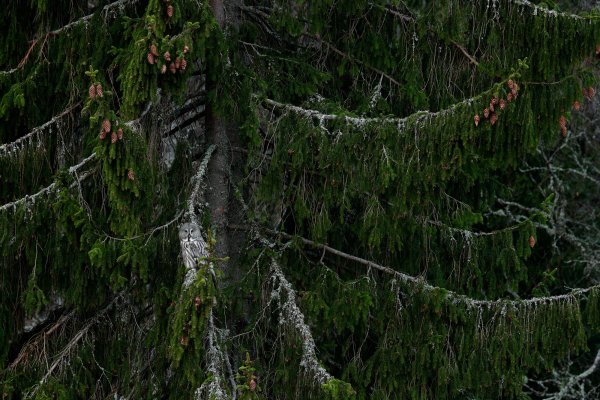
(397, 197)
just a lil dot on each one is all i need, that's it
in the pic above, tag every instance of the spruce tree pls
(396, 197)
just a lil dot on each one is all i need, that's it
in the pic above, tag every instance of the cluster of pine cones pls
(179, 64)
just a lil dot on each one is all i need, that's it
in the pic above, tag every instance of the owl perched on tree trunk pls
(193, 247)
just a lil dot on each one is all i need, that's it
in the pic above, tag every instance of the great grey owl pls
(193, 247)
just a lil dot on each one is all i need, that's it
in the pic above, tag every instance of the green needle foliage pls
(369, 254)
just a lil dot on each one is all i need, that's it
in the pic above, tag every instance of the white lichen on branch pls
(291, 317)
(214, 388)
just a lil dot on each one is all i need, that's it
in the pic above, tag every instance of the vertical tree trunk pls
(221, 133)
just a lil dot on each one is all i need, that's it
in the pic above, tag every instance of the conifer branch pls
(469, 233)
(32, 198)
(537, 10)
(29, 347)
(454, 297)
(198, 180)
(563, 384)
(291, 316)
(361, 121)
(577, 378)
(9, 148)
(65, 353)
(216, 362)
(109, 9)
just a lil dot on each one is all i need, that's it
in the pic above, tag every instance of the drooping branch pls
(63, 356)
(33, 343)
(291, 317)
(110, 10)
(216, 362)
(48, 189)
(537, 10)
(9, 148)
(454, 297)
(361, 121)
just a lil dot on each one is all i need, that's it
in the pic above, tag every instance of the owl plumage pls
(193, 247)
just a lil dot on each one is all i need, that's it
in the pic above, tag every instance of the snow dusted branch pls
(291, 317)
(216, 361)
(53, 186)
(10, 148)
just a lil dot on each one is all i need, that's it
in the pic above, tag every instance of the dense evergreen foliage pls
(392, 225)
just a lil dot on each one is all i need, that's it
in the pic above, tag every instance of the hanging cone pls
(99, 91)
(120, 133)
(102, 134)
(493, 119)
(92, 92)
(130, 175)
(106, 125)
(163, 69)
(150, 58)
(170, 11)
(172, 68)
(167, 56)
(502, 104)
(183, 65)
(185, 49)
(531, 241)
(486, 113)
(113, 137)
(476, 119)
(562, 121)
(154, 50)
